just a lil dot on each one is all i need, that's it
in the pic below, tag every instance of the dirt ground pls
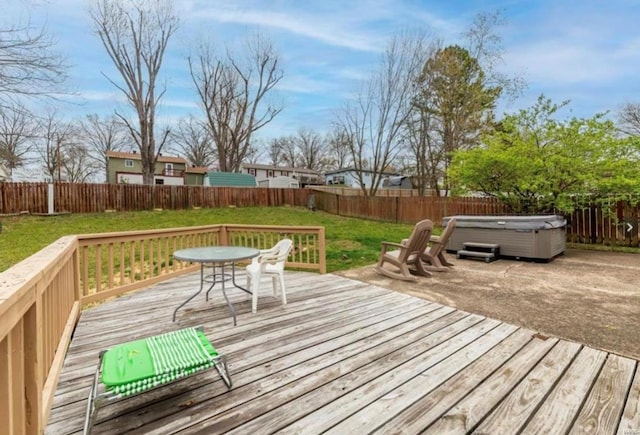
(589, 297)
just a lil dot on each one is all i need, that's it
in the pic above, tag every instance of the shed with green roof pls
(230, 179)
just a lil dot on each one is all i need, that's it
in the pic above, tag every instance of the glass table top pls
(216, 253)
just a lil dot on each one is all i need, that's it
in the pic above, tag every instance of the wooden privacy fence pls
(96, 198)
(386, 191)
(41, 298)
(591, 225)
(408, 210)
(618, 226)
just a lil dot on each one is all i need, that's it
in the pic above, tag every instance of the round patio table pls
(216, 257)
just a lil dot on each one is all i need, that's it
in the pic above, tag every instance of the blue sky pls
(584, 51)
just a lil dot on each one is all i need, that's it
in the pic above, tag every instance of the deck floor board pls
(347, 357)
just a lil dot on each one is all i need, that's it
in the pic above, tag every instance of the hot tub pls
(520, 237)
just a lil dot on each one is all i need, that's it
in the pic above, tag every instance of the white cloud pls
(319, 30)
(180, 103)
(556, 62)
(95, 95)
(303, 85)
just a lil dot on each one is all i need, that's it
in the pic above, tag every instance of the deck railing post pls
(323, 254)
(33, 368)
(224, 235)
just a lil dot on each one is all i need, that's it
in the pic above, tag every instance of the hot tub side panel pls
(551, 243)
(534, 244)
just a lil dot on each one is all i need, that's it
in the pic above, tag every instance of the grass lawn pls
(350, 242)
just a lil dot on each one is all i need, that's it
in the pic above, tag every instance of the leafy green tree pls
(455, 105)
(535, 163)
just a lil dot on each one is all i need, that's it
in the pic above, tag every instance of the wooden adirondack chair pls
(408, 254)
(434, 255)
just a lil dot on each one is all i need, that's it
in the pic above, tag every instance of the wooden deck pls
(349, 358)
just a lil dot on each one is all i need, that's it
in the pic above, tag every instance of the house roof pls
(196, 170)
(231, 179)
(280, 168)
(136, 156)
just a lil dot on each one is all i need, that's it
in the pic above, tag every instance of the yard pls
(350, 242)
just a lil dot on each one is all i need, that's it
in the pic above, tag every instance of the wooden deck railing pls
(39, 306)
(41, 298)
(116, 263)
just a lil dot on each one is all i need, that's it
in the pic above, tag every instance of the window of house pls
(252, 171)
(159, 181)
(269, 173)
(128, 163)
(168, 168)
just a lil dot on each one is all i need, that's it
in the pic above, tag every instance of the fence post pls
(50, 198)
(397, 214)
(593, 235)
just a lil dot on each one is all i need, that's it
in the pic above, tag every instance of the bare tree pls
(426, 151)
(16, 137)
(135, 35)
(275, 149)
(232, 94)
(254, 152)
(373, 121)
(312, 149)
(53, 135)
(192, 141)
(103, 136)
(287, 151)
(28, 65)
(629, 119)
(484, 43)
(77, 162)
(339, 149)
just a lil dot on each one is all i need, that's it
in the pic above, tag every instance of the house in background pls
(348, 177)
(229, 179)
(126, 167)
(262, 172)
(279, 182)
(195, 175)
(397, 182)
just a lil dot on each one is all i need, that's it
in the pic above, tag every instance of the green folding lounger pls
(138, 366)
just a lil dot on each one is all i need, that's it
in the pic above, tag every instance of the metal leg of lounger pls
(223, 371)
(91, 402)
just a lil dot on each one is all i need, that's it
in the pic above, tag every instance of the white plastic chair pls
(269, 262)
